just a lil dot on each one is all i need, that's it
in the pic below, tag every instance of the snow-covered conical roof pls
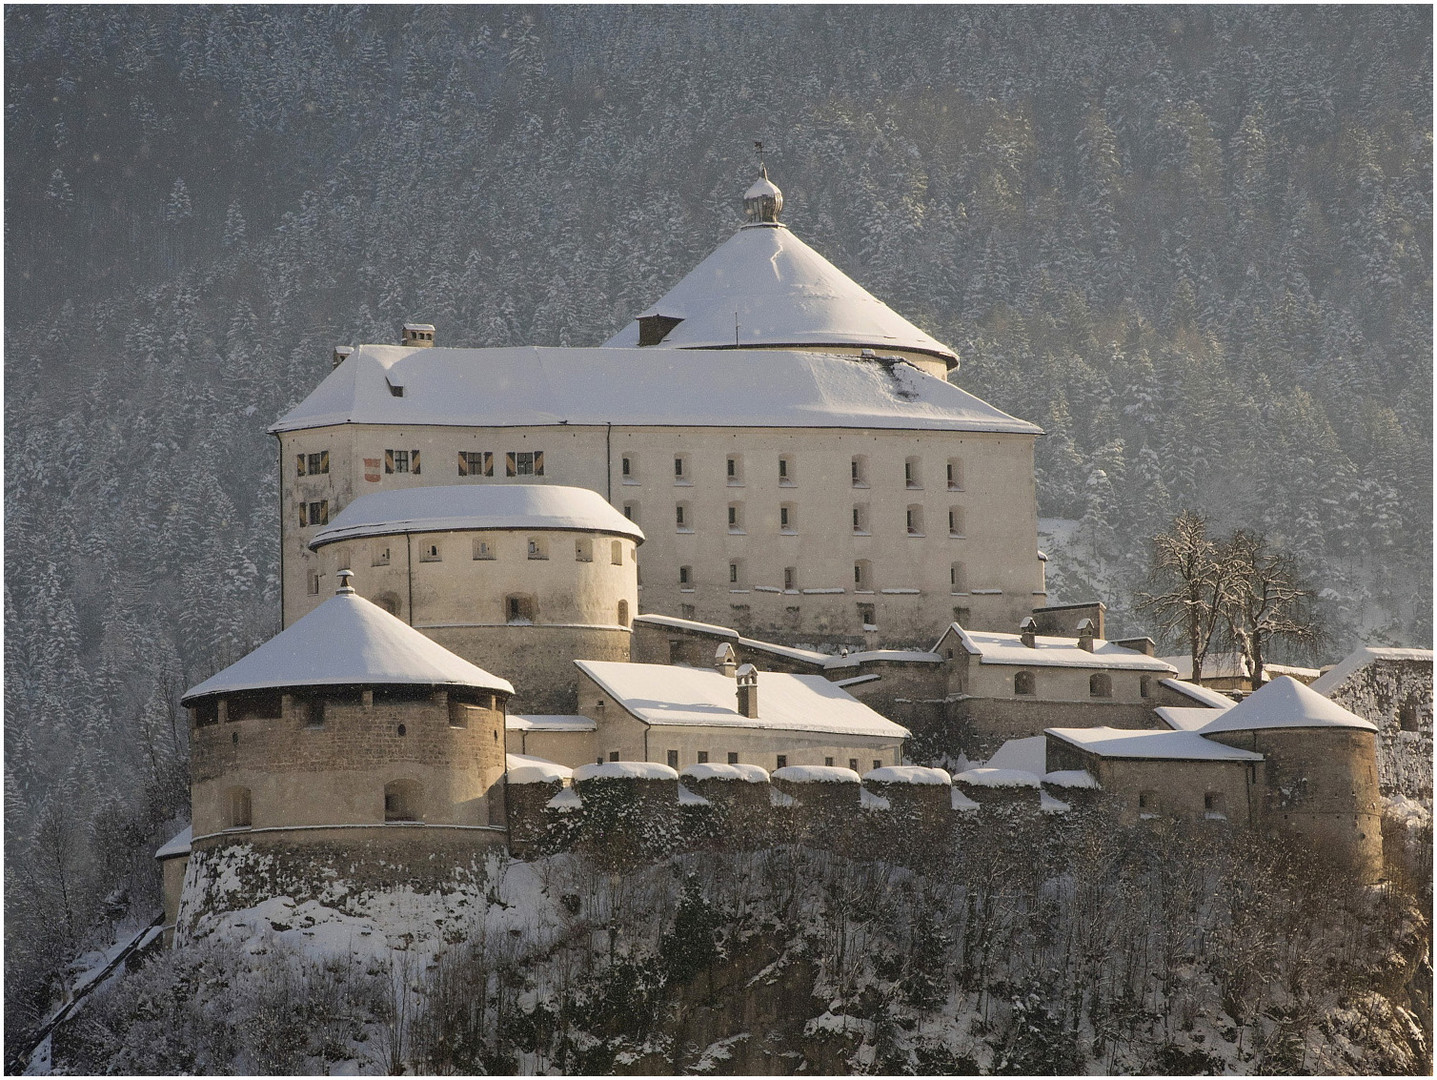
(450, 507)
(781, 293)
(1285, 703)
(348, 641)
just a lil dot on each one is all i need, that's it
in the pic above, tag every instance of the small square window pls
(828, 761)
(484, 549)
(853, 763)
(703, 757)
(732, 758)
(877, 763)
(381, 556)
(782, 761)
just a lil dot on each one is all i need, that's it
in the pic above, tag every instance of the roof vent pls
(341, 354)
(654, 328)
(419, 335)
(345, 588)
(725, 660)
(1086, 633)
(1028, 630)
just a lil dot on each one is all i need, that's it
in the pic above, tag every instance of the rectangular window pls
(867, 615)
(673, 759)
(878, 763)
(733, 469)
(782, 760)
(524, 463)
(584, 549)
(860, 518)
(853, 763)
(483, 549)
(955, 521)
(828, 761)
(785, 471)
(686, 577)
(681, 469)
(631, 511)
(860, 471)
(538, 548)
(315, 513)
(733, 573)
(626, 468)
(912, 473)
(381, 556)
(401, 461)
(317, 465)
(314, 583)
(955, 474)
(732, 758)
(430, 553)
(787, 518)
(703, 757)
(680, 514)
(914, 518)
(613, 755)
(790, 578)
(735, 517)
(476, 463)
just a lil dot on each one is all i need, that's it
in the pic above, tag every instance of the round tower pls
(527, 578)
(347, 733)
(1320, 770)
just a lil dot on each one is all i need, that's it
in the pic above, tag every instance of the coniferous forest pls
(1193, 244)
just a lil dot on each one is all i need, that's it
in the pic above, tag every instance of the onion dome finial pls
(763, 201)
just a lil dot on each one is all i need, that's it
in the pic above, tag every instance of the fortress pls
(754, 552)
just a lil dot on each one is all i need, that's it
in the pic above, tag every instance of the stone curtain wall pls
(1396, 695)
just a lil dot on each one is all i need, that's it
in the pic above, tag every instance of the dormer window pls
(654, 328)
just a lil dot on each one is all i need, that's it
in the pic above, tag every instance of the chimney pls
(1145, 645)
(1085, 635)
(725, 660)
(748, 691)
(1028, 630)
(341, 354)
(418, 335)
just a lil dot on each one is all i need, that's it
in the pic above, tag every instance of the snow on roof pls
(892, 656)
(1231, 666)
(1029, 755)
(995, 648)
(524, 769)
(531, 386)
(749, 774)
(348, 640)
(1209, 697)
(1334, 677)
(998, 778)
(178, 845)
(681, 696)
(1155, 745)
(1180, 719)
(816, 774)
(551, 722)
(451, 507)
(784, 293)
(1071, 778)
(1285, 703)
(909, 774)
(624, 770)
(686, 624)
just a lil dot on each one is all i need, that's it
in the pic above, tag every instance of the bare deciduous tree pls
(1266, 599)
(1190, 583)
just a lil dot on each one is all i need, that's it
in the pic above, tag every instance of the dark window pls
(240, 816)
(1024, 683)
(782, 761)
(318, 464)
(476, 463)
(853, 763)
(524, 463)
(315, 513)
(613, 755)
(1145, 685)
(673, 759)
(397, 461)
(1100, 685)
(828, 761)
(1407, 716)
(877, 763)
(703, 757)
(732, 758)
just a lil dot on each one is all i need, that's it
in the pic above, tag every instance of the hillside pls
(1194, 245)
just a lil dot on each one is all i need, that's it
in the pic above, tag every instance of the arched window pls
(1100, 684)
(401, 801)
(1025, 684)
(623, 613)
(237, 808)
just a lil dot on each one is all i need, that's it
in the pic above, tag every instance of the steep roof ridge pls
(347, 641)
(1285, 703)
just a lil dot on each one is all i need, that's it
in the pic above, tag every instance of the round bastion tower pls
(349, 741)
(526, 577)
(1321, 770)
